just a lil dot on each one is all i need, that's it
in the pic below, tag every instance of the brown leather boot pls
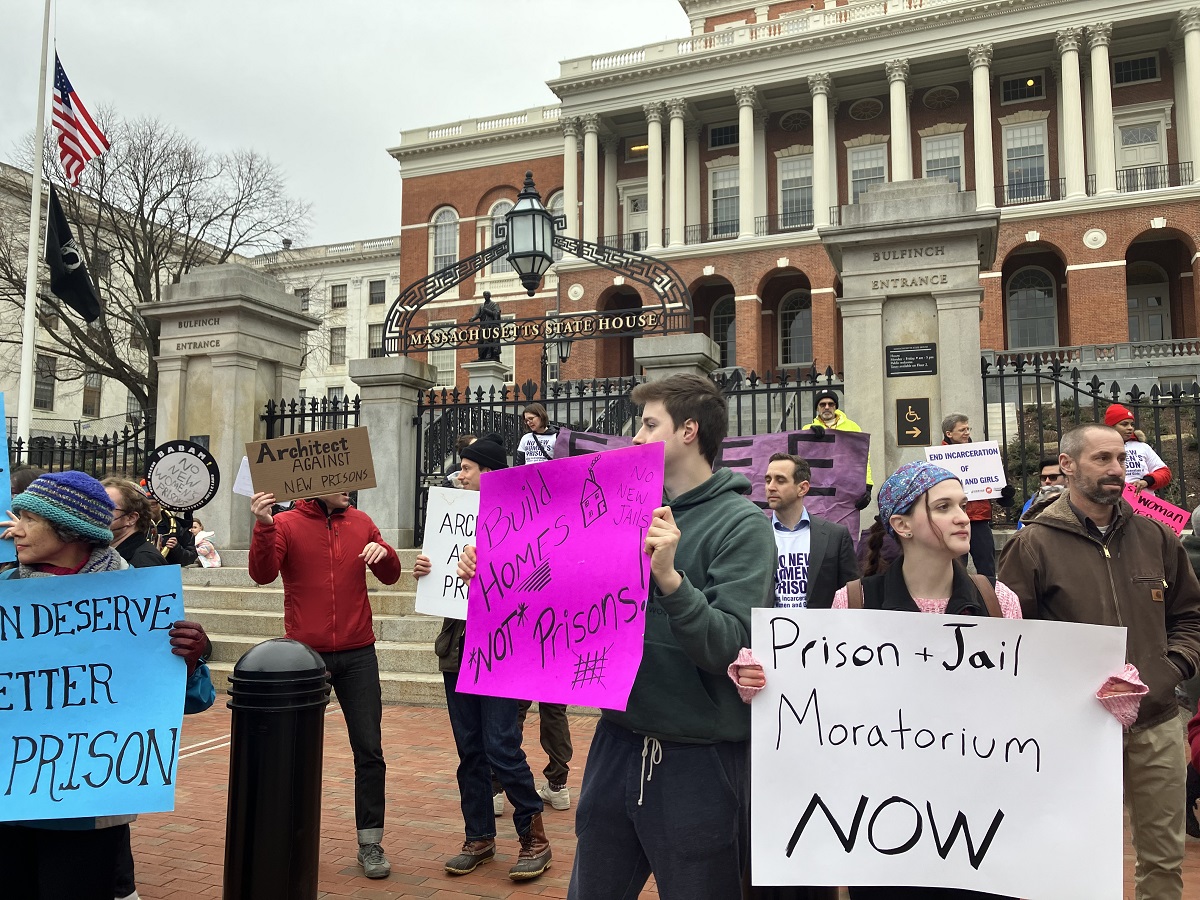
(534, 858)
(473, 853)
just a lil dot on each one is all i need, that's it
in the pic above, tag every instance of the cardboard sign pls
(838, 460)
(8, 550)
(450, 518)
(978, 466)
(1150, 506)
(91, 697)
(182, 475)
(939, 751)
(557, 607)
(312, 464)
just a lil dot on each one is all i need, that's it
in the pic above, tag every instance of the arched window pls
(499, 266)
(724, 330)
(555, 207)
(445, 239)
(795, 329)
(1032, 305)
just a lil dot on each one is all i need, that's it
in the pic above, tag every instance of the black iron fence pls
(121, 452)
(1030, 401)
(780, 401)
(312, 414)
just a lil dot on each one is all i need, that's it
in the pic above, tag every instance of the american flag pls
(79, 138)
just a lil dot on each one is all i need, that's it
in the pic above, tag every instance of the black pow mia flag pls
(69, 279)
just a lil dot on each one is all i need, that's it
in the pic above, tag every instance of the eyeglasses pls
(826, 404)
(1054, 476)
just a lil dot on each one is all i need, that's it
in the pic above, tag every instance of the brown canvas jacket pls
(1139, 577)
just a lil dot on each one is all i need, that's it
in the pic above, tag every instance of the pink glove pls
(745, 657)
(1121, 695)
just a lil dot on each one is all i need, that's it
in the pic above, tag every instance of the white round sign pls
(182, 475)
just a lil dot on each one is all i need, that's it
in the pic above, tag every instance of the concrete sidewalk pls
(180, 855)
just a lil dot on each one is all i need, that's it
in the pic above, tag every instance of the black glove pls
(1006, 495)
(189, 640)
(817, 429)
(865, 500)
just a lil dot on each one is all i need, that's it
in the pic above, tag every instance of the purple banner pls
(838, 460)
(557, 608)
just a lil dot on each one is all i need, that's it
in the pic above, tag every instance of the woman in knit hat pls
(63, 527)
(1144, 468)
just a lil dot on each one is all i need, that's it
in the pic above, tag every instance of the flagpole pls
(29, 325)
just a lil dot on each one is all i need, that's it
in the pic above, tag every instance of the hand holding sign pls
(662, 539)
(261, 505)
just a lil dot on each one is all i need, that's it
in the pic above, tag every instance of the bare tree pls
(155, 206)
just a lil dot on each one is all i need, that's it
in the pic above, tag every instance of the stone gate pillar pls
(675, 354)
(909, 255)
(230, 339)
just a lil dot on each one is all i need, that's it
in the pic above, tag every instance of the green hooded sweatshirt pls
(726, 556)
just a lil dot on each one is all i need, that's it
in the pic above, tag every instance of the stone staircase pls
(237, 614)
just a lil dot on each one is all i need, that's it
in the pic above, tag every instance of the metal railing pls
(312, 414)
(798, 220)
(123, 452)
(1016, 193)
(1152, 178)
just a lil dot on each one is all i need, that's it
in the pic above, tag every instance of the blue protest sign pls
(8, 551)
(91, 697)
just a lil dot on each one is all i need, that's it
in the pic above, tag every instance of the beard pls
(1095, 490)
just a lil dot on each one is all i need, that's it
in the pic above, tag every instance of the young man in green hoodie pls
(665, 790)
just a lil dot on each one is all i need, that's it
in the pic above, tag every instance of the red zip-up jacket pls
(325, 601)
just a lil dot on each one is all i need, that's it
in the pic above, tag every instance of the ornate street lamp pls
(530, 232)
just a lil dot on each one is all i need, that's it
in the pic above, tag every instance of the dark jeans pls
(486, 734)
(683, 818)
(126, 884)
(44, 864)
(354, 674)
(556, 739)
(983, 550)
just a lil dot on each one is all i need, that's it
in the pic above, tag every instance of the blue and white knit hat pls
(71, 500)
(904, 488)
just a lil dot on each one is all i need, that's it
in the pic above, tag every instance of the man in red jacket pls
(322, 547)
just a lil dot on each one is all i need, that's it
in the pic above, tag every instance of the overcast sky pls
(323, 87)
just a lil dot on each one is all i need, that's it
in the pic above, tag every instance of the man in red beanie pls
(1144, 468)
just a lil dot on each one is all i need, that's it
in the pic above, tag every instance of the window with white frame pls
(43, 381)
(1031, 86)
(48, 311)
(375, 341)
(943, 157)
(335, 394)
(445, 358)
(723, 205)
(304, 295)
(376, 292)
(724, 330)
(337, 346)
(1025, 176)
(445, 239)
(500, 266)
(868, 166)
(1032, 307)
(796, 192)
(91, 394)
(724, 135)
(1134, 70)
(133, 408)
(303, 398)
(795, 329)
(337, 296)
(555, 208)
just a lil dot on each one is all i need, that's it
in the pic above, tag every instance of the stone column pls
(388, 387)
(820, 86)
(897, 76)
(676, 110)
(747, 99)
(1071, 122)
(958, 351)
(981, 112)
(1103, 139)
(172, 396)
(570, 127)
(691, 153)
(673, 354)
(233, 375)
(654, 175)
(611, 226)
(1189, 24)
(591, 177)
(760, 162)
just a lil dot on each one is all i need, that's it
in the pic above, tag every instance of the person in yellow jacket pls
(829, 415)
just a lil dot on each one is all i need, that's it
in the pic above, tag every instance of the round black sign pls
(182, 476)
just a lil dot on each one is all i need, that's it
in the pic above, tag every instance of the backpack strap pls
(988, 591)
(854, 594)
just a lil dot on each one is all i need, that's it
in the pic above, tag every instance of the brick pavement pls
(180, 855)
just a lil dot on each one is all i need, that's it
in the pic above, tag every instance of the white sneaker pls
(560, 799)
(133, 896)
(498, 803)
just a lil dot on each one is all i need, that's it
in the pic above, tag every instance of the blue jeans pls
(487, 735)
(354, 674)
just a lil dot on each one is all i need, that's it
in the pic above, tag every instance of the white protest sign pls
(449, 524)
(978, 466)
(894, 748)
(242, 484)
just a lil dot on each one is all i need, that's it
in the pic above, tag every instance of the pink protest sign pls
(1146, 504)
(557, 608)
(838, 460)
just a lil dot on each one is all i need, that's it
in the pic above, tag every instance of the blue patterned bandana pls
(905, 487)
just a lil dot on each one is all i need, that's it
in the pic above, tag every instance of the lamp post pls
(563, 347)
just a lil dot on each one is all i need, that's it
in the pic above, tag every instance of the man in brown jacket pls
(1088, 558)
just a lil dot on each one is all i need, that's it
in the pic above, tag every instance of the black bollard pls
(278, 694)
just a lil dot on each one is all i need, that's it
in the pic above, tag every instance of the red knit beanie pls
(1116, 413)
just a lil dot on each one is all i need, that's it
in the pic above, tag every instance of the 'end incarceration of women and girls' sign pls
(91, 697)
